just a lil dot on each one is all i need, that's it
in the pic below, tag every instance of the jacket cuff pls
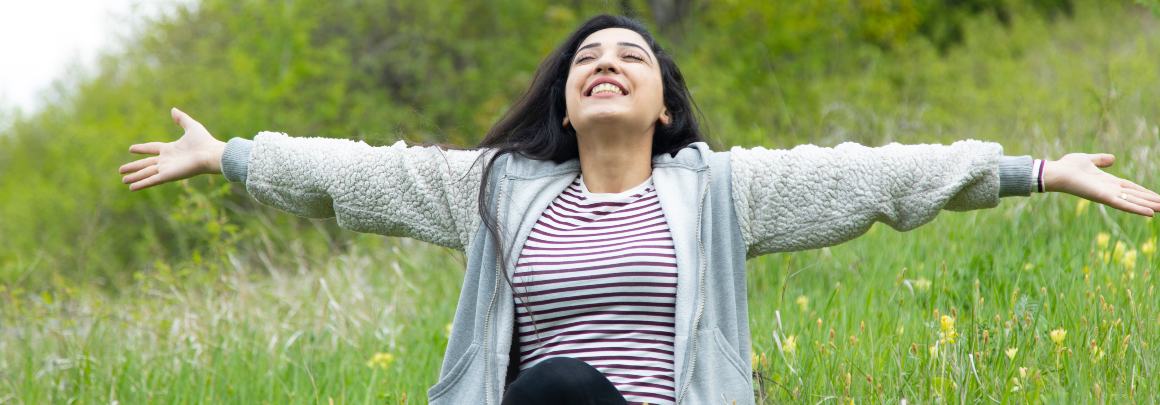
(236, 160)
(1015, 178)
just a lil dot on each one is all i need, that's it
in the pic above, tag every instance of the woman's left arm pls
(810, 197)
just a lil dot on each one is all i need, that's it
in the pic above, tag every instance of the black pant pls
(564, 381)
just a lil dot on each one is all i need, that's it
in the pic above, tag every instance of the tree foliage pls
(425, 71)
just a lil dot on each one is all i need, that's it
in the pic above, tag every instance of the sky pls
(40, 38)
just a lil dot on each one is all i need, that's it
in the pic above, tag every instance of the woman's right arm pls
(425, 193)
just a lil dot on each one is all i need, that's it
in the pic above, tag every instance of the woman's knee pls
(562, 380)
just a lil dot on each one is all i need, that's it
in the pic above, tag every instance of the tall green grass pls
(275, 324)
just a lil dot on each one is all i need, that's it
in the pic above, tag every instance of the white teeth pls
(606, 88)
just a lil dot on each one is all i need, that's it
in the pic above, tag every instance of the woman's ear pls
(665, 119)
(565, 124)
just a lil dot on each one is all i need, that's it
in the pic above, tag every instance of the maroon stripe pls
(1039, 178)
(601, 295)
(598, 276)
(579, 332)
(546, 321)
(581, 208)
(659, 215)
(663, 377)
(628, 367)
(586, 260)
(562, 205)
(556, 205)
(534, 339)
(596, 305)
(664, 230)
(575, 202)
(606, 340)
(595, 349)
(622, 247)
(590, 359)
(622, 322)
(577, 196)
(603, 217)
(600, 267)
(611, 229)
(548, 264)
(538, 248)
(645, 384)
(647, 394)
(598, 286)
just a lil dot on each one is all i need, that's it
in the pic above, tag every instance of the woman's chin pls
(606, 117)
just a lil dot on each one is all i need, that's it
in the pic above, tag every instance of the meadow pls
(1044, 299)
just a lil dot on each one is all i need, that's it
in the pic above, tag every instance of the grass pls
(866, 318)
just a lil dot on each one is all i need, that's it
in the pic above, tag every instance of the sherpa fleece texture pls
(786, 200)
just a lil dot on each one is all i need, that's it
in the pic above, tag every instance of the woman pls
(605, 242)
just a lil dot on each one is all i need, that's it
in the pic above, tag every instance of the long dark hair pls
(533, 128)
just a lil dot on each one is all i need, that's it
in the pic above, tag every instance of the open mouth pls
(605, 86)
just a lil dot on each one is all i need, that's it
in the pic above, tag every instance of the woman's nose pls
(607, 64)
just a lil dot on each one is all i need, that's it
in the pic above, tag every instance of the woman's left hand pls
(1079, 174)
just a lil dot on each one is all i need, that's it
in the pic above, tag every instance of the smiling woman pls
(606, 242)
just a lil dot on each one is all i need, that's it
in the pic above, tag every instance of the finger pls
(151, 148)
(1137, 198)
(1102, 159)
(147, 182)
(1130, 185)
(182, 119)
(1144, 194)
(140, 174)
(1127, 205)
(138, 165)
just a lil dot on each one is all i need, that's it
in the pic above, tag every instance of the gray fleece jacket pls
(722, 208)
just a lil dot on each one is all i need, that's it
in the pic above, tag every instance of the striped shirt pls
(597, 281)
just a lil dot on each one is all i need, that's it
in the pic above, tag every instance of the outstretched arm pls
(811, 197)
(426, 193)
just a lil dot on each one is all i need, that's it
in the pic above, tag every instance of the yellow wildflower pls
(803, 302)
(947, 332)
(1149, 247)
(1102, 239)
(1058, 335)
(790, 344)
(381, 360)
(1081, 206)
(946, 323)
(1011, 352)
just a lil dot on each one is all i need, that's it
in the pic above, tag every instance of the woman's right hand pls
(196, 152)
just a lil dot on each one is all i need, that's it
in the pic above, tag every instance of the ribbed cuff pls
(236, 160)
(1015, 176)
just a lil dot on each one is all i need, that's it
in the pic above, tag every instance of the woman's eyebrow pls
(596, 44)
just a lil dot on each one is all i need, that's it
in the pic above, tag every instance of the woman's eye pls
(634, 56)
(584, 58)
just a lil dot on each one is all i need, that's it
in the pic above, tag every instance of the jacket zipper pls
(491, 306)
(701, 291)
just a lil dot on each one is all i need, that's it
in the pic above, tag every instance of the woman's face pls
(614, 82)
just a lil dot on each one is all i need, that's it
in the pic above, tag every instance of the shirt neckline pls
(623, 195)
